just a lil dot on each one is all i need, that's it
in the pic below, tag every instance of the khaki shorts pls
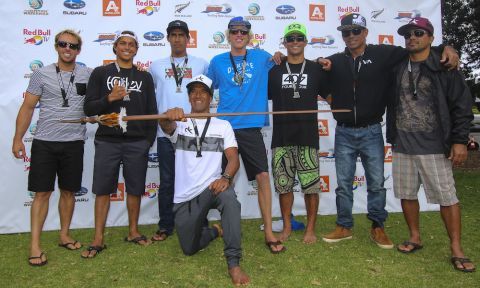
(290, 160)
(434, 171)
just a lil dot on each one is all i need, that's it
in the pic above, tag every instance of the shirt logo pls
(289, 80)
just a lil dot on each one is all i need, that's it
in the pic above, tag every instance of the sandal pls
(97, 250)
(38, 257)
(161, 234)
(70, 245)
(272, 244)
(137, 240)
(415, 246)
(459, 260)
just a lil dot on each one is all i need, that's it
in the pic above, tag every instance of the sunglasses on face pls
(236, 31)
(63, 44)
(355, 31)
(293, 38)
(418, 33)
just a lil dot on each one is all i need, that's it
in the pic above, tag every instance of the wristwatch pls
(228, 177)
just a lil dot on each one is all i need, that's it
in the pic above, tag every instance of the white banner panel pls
(28, 29)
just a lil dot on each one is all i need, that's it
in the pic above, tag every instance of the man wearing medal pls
(295, 85)
(57, 148)
(171, 75)
(199, 182)
(114, 148)
(241, 76)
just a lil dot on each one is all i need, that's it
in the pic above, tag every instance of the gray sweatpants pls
(192, 233)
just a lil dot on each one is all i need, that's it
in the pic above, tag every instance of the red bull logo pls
(148, 10)
(358, 181)
(143, 65)
(36, 36)
(151, 190)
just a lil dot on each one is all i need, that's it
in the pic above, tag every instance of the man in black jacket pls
(109, 89)
(428, 125)
(359, 80)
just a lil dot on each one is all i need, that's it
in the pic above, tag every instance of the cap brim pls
(349, 27)
(407, 27)
(203, 84)
(295, 32)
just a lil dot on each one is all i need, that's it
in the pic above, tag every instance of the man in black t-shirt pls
(295, 85)
(428, 124)
(111, 88)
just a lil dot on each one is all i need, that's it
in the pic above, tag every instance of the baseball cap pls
(207, 82)
(295, 27)
(178, 24)
(239, 21)
(417, 22)
(351, 21)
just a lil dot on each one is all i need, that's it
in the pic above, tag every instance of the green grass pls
(355, 263)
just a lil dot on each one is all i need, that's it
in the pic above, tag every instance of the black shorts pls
(252, 149)
(108, 156)
(52, 158)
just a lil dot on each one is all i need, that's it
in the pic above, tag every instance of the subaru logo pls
(153, 36)
(81, 192)
(74, 4)
(285, 9)
(153, 157)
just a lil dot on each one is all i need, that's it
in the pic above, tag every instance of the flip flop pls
(271, 244)
(66, 245)
(97, 250)
(137, 240)
(459, 260)
(162, 234)
(415, 246)
(37, 257)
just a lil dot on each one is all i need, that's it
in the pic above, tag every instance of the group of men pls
(428, 117)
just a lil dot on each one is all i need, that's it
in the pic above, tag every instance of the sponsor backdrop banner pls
(28, 29)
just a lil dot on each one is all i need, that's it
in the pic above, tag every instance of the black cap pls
(351, 21)
(178, 24)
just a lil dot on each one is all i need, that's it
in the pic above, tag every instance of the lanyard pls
(62, 86)
(296, 85)
(413, 84)
(179, 76)
(238, 78)
(199, 140)
(123, 81)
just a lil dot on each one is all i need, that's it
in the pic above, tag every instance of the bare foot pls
(138, 239)
(309, 237)
(37, 259)
(219, 229)
(238, 276)
(285, 234)
(68, 243)
(89, 252)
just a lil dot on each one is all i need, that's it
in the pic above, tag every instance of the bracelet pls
(228, 177)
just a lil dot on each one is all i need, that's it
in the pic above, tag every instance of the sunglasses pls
(236, 31)
(293, 38)
(354, 31)
(418, 33)
(72, 46)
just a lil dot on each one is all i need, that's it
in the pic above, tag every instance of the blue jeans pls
(368, 143)
(166, 164)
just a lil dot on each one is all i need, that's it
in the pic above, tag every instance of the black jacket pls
(362, 84)
(453, 102)
(142, 101)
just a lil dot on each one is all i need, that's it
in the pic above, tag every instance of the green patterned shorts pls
(301, 160)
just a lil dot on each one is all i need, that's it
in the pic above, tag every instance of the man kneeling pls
(199, 184)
